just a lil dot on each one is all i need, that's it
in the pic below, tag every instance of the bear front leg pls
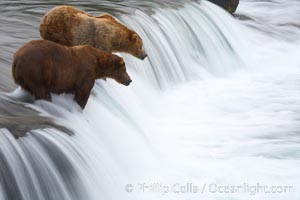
(82, 95)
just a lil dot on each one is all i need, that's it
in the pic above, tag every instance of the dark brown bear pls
(42, 67)
(69, 26)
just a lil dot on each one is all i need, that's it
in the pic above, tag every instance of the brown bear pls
(69, 26)
(42, 67)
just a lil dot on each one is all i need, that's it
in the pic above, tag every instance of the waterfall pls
(210, 105)
(191, 43)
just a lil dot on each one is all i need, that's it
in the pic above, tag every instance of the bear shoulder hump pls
(107, 16)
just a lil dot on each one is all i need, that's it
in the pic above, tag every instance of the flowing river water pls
(212, 113)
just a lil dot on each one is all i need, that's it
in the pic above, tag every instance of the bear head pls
(135, 46)
(114, 68)
(127, 41)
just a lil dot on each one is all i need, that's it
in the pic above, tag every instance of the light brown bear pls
(69, 26)
(42, 67)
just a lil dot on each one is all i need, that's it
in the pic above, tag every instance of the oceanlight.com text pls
(211, 188)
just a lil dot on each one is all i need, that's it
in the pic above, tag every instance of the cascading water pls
(199, 46)
(216, 103)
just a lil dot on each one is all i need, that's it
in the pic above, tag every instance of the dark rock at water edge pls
(229, 5)
(19, 119)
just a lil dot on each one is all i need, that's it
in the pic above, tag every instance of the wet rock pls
(19, 119)
(229, 5)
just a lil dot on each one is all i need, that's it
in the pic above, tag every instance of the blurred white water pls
(216, 104)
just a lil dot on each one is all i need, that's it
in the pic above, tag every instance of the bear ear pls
(116, 60)
(134, 36)
(121, 62)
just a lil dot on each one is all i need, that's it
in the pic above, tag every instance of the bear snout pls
(141, 54)
(144, 56)
(127, 83)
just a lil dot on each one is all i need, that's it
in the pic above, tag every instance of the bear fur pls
(42, 67)
(69, 26)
